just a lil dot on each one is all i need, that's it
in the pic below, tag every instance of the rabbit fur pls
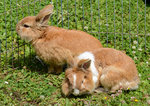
(56, 46)
(106, 67)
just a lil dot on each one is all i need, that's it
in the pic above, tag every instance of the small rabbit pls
(106, 67)
(56, 46)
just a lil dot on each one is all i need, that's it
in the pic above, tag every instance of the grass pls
(25, 81)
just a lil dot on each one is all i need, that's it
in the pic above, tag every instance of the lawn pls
(24, 79)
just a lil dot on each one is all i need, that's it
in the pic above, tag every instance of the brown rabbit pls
(104, 67)
(54, 45)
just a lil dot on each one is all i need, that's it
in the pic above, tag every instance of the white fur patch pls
(127, 83)
(95, 79)
(86, 55)
(134, 88)
(120, 84)
(76, 92)
(89, 55)
(74, 80)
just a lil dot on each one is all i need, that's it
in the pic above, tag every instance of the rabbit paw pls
(55, 69)
(99, 90)
(51, 70)
(58, 69)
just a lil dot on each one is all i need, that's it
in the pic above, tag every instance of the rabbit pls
(56, 46)
(106, 67)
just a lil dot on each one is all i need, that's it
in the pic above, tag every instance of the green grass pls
(25, 81)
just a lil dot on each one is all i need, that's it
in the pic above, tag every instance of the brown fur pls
(67, 84)
(116, 71)
(56, 46)
(118, 68)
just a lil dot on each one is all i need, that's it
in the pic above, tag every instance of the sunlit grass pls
(25, 81)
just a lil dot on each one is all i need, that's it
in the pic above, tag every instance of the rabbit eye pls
(26, 26)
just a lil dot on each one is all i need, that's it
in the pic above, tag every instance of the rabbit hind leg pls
(112, 78)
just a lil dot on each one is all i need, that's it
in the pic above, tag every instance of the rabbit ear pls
(84, 63)
(43, 16)
(70, 78)
(68, 75)
(65, 87)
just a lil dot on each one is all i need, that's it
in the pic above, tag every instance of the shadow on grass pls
(30, 63)
(147, 3)
(75, 97)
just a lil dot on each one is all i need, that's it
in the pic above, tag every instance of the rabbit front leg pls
(58, 69)
(51, 69)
